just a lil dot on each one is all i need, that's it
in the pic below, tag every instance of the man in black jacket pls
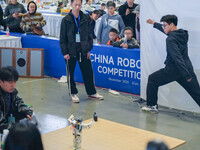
(178, 65)
(2, 22)
(13, 15)
(12, 107)
(76, 42)
(127, 13)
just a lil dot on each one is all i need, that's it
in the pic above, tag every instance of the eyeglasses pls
(127, 33)
(164, 25)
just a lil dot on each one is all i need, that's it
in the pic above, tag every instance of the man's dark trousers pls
(87, 73)
(167, 75)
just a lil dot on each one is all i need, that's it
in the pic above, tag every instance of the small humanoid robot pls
(77, 126)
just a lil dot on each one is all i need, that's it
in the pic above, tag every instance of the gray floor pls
(53, 106)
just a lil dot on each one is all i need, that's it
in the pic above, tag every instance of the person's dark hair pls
(113, 30)
(60, 3)
(23, 137)
(29, 5)
(103, 4)
(110, 4)
(97, 12)
(8, 74)
(157, 145)
(170, 19)
(128, 28)
(72, 1)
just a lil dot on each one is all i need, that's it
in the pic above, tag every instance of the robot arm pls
(88, 125)
(71, 119)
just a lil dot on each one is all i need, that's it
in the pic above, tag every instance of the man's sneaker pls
(150, 108)
(96, 96)
(75, 98)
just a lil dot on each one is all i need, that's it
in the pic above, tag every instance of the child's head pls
(103, 6)
(113, 34)
(95, 14)
(89, 2)
(128, 32)
(8, 79)
(111, 7)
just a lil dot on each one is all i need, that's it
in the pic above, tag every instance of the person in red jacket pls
(113, 36)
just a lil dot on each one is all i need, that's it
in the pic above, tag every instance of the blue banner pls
(115, 68)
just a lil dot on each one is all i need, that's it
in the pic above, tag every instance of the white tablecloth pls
(10, 41)
(52, 28)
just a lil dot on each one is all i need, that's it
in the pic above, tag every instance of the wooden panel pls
(28, 60)
(106, 135)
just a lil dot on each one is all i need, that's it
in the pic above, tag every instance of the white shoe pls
(151, 108)
(75, 98)
(63, 79)
(96, 96)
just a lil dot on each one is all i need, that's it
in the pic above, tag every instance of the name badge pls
(78, 38)
(11, 119)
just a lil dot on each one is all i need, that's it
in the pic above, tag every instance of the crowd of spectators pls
(108, 28)
(108, 21)
(17, 19)
(102, 22)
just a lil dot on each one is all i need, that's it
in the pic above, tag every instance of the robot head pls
(78, 120)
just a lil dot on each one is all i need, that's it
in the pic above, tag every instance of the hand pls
(127, 12)
(14, 15)
(67, 57)
(20, 14)
(121, 45)
(189, 80)
(150, 21)
(29, 117)
(88, 55)
(98, 42)
(125, 45)
(38, 25)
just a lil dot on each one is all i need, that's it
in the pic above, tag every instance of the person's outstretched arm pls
(156, 25)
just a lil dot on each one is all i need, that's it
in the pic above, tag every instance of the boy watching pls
(128, 41)
(113, 36)
(12, 107)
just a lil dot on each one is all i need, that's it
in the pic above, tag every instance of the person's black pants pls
(87, 73)
(19, 30)
(3, 23)
(165, 76)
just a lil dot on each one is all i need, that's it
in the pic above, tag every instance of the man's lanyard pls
(77, 23)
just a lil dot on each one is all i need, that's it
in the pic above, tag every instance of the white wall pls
(153, 49)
